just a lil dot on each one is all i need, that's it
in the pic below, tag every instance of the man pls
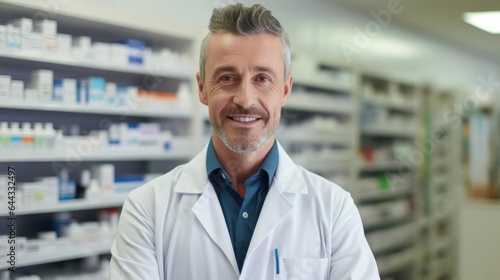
(241, 209)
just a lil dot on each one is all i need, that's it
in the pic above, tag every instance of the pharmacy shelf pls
(381, 165)
(385, 221)
(68, 251)
(105, 201)
(390, 239)
(380, 131)
(396, 261)
(401, 107)
(109, 154)
(383, 194)
(52, 58)
(321, 163)
(341, 137)
(323, 84)
(37, 105)
(308, 104)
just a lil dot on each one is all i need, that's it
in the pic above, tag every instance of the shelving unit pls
(80, 18)
(319, 124)
(385, 187)
(438, 196)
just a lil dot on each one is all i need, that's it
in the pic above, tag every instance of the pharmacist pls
(241, 209)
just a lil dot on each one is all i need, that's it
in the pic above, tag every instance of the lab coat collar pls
(194, 178)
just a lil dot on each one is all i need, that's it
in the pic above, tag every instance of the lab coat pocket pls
(302, 269)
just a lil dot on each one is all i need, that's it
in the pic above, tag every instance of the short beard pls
(238, 147)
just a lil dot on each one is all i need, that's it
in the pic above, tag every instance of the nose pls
(245, 96)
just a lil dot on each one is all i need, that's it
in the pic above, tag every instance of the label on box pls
(3, 36)
(4, 86)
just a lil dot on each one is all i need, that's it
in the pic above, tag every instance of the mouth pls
(244, 119)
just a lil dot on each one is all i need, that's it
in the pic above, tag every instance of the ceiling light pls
(487, 21)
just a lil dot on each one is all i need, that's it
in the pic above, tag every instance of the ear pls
(288, 90)
(201, 94)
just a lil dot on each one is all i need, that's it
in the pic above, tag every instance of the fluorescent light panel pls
(487, 21)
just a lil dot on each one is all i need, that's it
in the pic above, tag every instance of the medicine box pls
(96, 87)
(13, 37)
(25, 25)
(43, 82)
(64, 43)
(3, 36)
(5, 86)
(17, 90)
(135, 51)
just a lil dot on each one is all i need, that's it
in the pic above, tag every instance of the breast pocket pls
(302, 269)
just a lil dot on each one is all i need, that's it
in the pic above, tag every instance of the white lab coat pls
(173, 228)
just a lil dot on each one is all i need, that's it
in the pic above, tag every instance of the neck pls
(240, 166)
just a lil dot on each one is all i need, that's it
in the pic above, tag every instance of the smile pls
(243, 119)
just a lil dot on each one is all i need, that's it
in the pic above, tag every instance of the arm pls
(351, 257)
(133, 251)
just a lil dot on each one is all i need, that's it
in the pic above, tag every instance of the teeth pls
(244, 119)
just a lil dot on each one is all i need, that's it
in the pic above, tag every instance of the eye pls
(226, 78)
(263, 79)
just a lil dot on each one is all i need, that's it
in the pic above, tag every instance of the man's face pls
(244, 88)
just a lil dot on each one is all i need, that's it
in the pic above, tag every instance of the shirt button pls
(223, 176)
(245, 215)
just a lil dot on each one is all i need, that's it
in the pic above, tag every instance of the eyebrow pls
(223, 69)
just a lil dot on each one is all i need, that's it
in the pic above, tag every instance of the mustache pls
(236, 109)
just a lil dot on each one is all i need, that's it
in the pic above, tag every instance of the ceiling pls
(442, 19)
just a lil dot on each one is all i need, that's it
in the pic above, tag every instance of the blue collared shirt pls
(241, 214)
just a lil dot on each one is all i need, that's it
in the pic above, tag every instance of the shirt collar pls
(269, 165)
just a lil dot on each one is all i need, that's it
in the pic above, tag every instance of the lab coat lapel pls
(288, 179)
(208, 211)
(207, 208)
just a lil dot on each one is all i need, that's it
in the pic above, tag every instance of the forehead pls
(240, 51)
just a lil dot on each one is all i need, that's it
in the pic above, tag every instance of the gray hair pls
(240, 20)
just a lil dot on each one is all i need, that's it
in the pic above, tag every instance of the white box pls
(105, 175)
(43, 81)
(33, 41)
(101, 52)
(119, 54)
(64, 43)
(13, 37)
(82, 43)
(17, 90)
(24, 24)
(3, 36)
(49, 42)
(4, 86)
(69, 91)
(30, 94)
(47, 27)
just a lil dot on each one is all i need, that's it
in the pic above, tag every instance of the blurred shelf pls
(401, 107)
(122, 111)
(385, 221)
(403, 132)
(389, 239)
(341, 137)
(381, 165)
(109, 154)
(64, 251)
(323, 163)
(309, 104)
(396, 262)
(112, 200)
(324, 84)
(53, 58)
(382, 194)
